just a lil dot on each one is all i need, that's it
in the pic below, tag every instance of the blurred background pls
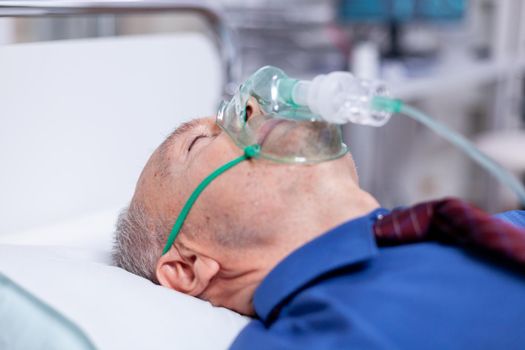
(461, 61)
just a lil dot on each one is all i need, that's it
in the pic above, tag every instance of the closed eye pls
(195, 140)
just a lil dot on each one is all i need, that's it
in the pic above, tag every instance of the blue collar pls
(347, 244)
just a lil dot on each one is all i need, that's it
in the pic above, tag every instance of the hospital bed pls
(88, 90)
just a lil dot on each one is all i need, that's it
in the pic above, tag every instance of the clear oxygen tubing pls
(500, 173)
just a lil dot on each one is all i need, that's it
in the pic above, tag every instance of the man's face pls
(242, 218)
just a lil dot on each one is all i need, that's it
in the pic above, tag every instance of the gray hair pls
(138, 242)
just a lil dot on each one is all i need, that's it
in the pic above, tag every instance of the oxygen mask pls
(262, 113)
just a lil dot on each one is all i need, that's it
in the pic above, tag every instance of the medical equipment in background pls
(312, 109)
(289, 34)
(398, 12)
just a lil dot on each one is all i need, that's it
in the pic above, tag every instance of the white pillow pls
(116, 309)
(67, 266)
(91, 230)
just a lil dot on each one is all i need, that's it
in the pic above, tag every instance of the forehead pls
(163, 161)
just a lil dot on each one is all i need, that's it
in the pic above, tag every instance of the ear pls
(186, 271)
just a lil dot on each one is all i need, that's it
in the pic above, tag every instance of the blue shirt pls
(340, 291)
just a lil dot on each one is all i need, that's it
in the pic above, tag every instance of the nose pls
(253, 108)
(212, 127)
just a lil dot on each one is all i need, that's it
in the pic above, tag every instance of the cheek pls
(252, 192)
(222, 149)
(231, 200)
(248, 194)
(219, 202)
(209, 159)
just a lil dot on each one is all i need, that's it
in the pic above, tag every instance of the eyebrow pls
(183, 129)
(178, 132)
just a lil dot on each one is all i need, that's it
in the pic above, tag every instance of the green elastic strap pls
(249, 152)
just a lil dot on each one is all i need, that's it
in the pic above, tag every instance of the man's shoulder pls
(516, 217)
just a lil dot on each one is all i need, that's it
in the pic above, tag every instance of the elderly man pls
(314, 259)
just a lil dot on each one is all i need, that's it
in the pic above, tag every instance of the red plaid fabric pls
(456, 221)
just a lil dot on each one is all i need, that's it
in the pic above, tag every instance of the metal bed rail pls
(223, 35)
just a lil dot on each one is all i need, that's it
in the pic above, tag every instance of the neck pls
(317, 210)
(313, 221)
(333, 211)
(329, 208)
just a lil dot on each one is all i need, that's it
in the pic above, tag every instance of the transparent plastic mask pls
(262, 112)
